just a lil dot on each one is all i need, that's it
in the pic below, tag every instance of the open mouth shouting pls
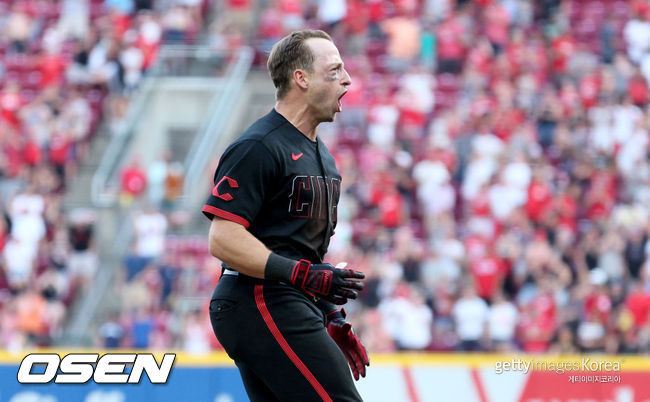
(338, 102)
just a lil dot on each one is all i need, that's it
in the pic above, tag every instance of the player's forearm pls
(233, 244)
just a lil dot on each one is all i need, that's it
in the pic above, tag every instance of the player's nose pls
(346, 80)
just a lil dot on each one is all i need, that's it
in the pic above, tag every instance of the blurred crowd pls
(497, 175)
(64, 65)
(162, 291)
(495, 157)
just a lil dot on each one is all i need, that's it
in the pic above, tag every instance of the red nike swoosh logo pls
(296, 157)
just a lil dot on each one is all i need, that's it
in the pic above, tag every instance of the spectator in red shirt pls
(597, 307)
(563, 47)
(601, 196)
(516, 51)
(149, 36)
(637, 303)
(10, 103)
(540, 198)
(357, 22)
(538, 319)
(638, 90)
(589, 89)
(497, 21)
(13, 155)
(451, 45)
(480, 57)
(133, 182)
(52, 67)
(488, 272)
(598, 303)
(391, 208)
(32, 153)
(566, 206)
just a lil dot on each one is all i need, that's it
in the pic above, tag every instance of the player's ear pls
(301, 78)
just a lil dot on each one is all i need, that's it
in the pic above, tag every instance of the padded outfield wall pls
(393, 378)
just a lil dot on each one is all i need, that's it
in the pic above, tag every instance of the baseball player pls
(273, 211)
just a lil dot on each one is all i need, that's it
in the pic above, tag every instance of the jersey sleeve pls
(241, 180)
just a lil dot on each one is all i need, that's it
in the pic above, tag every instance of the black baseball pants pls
(278, 340)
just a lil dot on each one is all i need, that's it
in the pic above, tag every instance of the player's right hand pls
(332, 284)
(349, 343)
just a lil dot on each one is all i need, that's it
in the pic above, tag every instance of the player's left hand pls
(343, 334)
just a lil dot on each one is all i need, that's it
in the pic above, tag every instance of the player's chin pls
(328, 117)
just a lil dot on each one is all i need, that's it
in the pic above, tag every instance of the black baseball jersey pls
(280, 185)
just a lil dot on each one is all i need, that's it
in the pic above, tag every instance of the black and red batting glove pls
(343, 334)
(335, 285)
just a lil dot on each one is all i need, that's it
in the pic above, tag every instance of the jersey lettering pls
(309, 194)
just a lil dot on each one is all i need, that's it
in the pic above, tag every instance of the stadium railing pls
(174, 61)
(208, 135)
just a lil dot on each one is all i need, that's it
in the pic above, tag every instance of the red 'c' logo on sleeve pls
(225, 196)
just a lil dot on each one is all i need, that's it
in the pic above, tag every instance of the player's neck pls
(298, 115)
